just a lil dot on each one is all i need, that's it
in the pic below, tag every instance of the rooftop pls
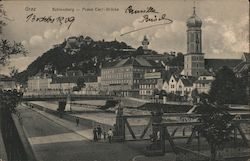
(246, 57)
(203, 81)
(194, 20)
(73, 79)
(132, 61)
(216, 64)
(187, 80)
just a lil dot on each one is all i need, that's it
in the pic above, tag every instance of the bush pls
(10, 98)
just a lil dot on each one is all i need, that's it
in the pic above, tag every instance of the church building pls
(194, 59)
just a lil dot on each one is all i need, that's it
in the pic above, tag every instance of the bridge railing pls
(61, 92)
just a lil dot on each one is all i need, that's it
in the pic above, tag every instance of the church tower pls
(145, 43)
(194, 59)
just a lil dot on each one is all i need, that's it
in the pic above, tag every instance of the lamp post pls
(120, 124)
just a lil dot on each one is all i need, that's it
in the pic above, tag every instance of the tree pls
(3, 17)
(195, 95)
(13, 71)
(10, 99)
(139, 51)
(162, 93)
(226, 88)
(80, 82)
(178, 60)
(6, 48)
(216, 124)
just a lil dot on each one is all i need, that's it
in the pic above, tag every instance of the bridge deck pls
(65, 97)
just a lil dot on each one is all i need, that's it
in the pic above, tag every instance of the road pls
(53, 142)
(56, 139)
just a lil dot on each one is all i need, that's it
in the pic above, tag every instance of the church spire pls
(194, 9)
(145, 43)
(194, 60)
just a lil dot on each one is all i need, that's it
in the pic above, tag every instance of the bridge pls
(173, 128)
(64, 99)
(67, 97)
(162, 128)
(63, 96)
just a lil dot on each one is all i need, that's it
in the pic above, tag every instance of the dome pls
(194, 21)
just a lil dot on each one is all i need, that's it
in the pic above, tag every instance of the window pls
(191, 37)
(192, 47)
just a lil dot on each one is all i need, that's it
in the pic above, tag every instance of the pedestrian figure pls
(110, 135)
(95, 134)
(77, 122)
(104, 135)
(183, 132)
(158, 135)
(153, 137)
(99, 131)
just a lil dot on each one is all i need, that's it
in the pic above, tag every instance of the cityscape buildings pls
(145, 75)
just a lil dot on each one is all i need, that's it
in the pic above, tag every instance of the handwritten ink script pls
(151, 15)
(49, 19)
(131, 10)
(147, 18)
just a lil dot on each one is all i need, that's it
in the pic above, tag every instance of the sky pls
(225, 25)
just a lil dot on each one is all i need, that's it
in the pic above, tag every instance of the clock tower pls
(194, 59)
(145, 43)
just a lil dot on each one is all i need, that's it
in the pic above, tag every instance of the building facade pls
(92, 87)
(63, 83)
(125, 76)
(7, 83)
(184, 86)
(172, 83)
(39, 83)
(152, 82)
(203, 84)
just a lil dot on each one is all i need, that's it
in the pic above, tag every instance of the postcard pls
(113, 80)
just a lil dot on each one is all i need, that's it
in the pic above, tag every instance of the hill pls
(85, 54)
(79, 53)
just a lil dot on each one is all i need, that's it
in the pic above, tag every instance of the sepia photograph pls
(124, 80)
